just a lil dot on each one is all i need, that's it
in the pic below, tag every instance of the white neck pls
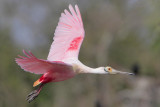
(98, 70)
(81, 68)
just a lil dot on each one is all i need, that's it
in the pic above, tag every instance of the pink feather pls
(39, 66)
(69, 35)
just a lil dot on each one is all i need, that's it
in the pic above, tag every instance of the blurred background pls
(124, 34)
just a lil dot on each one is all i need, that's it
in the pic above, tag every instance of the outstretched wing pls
(68, 36)
(38, 66)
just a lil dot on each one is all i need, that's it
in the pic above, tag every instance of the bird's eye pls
(110, 69)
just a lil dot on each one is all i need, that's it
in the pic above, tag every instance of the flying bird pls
(62, 62)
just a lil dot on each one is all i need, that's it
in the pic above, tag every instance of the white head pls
(110, 70)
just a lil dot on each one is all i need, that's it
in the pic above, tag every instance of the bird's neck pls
(81, 68)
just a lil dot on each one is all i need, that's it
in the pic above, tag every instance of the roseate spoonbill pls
(62, 62)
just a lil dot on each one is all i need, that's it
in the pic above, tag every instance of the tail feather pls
(36, 83)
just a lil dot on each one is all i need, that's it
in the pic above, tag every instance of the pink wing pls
(38, 66)
(68, 37)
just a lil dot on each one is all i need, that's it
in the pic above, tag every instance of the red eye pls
(109, 69)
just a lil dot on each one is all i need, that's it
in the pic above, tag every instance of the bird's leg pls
(34, 94)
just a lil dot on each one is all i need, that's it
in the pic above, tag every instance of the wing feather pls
(68, 36)
(38, 66)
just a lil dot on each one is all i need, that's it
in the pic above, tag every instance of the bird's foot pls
(34, 94)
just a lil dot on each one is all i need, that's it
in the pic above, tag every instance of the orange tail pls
(36, 83)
